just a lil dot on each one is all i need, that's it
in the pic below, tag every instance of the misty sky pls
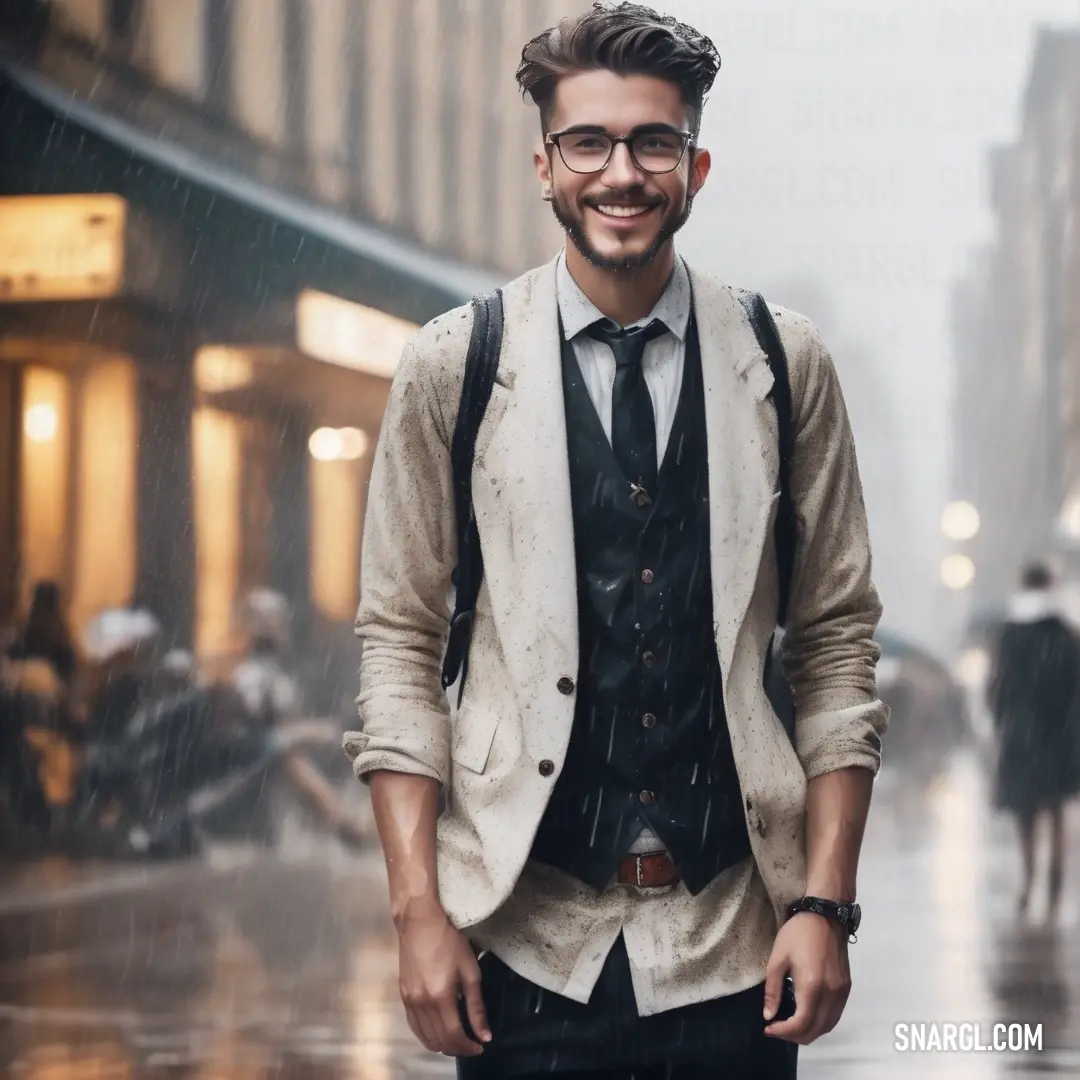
(848, 143)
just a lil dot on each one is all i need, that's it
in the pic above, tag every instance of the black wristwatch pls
(849, 916)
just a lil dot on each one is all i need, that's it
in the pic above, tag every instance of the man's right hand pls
(436, 966)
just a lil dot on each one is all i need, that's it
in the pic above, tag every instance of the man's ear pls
(700, 165)
(542, 163)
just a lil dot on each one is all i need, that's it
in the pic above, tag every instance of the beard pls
(573, 223)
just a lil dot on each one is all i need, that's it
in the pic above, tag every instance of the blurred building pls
(873, 421)
(1016, 328)
(218, 221)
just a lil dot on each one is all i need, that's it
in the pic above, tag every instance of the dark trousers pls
(536, 1032)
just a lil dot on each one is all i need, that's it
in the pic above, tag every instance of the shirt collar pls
(579, 312)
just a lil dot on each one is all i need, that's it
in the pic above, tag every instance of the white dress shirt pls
(554, 930)
(662, 363)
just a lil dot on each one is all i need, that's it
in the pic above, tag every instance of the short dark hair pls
(628, 39)
(1037, 575)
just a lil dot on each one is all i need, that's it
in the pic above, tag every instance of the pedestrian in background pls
(1033, 702)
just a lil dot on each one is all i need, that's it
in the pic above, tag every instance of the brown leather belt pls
(653, 871)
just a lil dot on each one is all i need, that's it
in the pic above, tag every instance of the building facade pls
(219, 220)
(1017, 341)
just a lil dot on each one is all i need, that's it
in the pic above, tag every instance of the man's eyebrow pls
(583, 129)
(640, 129)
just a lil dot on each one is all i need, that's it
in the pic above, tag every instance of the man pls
(627, 823)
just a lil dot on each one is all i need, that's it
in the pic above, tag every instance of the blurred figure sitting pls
(177, 673)
(37, 724)
(271, 695)
(1032, 697)
(45, 636)
(122, 642)
(261, 679)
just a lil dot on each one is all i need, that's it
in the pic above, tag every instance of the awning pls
(259, 244)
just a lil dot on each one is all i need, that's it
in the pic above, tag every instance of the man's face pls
(619, 219)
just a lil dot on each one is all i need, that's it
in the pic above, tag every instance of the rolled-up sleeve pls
(408, 556)
(829, 654)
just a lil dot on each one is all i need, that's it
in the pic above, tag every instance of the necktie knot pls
(628, 346)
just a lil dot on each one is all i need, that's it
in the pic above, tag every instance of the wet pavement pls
(283, 967)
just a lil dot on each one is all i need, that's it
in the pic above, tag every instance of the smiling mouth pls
(618, 211)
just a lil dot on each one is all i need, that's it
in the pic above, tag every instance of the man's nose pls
(621, 169)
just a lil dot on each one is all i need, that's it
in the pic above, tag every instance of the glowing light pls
(326, 444)
(219, 368)
(354, 443)
(40, 423)
(61, 247)
(338, 444)
(957, 572)
(973, 668)
(960, 521)
(348, 334)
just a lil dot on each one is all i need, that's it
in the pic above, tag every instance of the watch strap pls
(844, 914)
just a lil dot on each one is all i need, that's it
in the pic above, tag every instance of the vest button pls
(565, 685)
(547, 767)
(648, 658)
(647, 797)
(648, 720)
(647, 576)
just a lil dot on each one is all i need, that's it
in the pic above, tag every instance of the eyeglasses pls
(654, 150)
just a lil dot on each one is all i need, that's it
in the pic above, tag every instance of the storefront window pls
(106, 470)
(216, 458)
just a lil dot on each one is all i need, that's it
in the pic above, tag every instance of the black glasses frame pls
(554, 139)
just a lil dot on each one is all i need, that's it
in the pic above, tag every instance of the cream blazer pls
(488, 755)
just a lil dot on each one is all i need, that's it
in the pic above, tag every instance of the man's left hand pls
(813, 951)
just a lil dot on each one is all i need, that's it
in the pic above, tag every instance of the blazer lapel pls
(743, 459)
(521, 492)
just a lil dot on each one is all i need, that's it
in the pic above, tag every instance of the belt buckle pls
(637, 861)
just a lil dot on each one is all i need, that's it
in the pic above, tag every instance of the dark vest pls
(649, 743)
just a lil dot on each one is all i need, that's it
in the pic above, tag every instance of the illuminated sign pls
(350, 335)
(61, 247)
(220, 368)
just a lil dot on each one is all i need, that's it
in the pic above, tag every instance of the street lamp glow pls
(325, 444)
(957, 572)
(960, 521)
(973, 668)
(40, 423)
(354, 443)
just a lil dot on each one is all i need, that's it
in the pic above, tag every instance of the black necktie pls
(633, 425)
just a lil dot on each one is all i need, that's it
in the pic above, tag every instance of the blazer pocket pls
(473, 734)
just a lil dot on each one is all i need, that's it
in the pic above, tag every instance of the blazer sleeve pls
(409, 552)
(829, 652)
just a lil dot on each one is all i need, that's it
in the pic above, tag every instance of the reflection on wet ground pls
(254, 966)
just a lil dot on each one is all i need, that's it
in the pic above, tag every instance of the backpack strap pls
(786, 531)
(481, 364)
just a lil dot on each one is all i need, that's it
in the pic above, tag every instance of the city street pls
(253, 966)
